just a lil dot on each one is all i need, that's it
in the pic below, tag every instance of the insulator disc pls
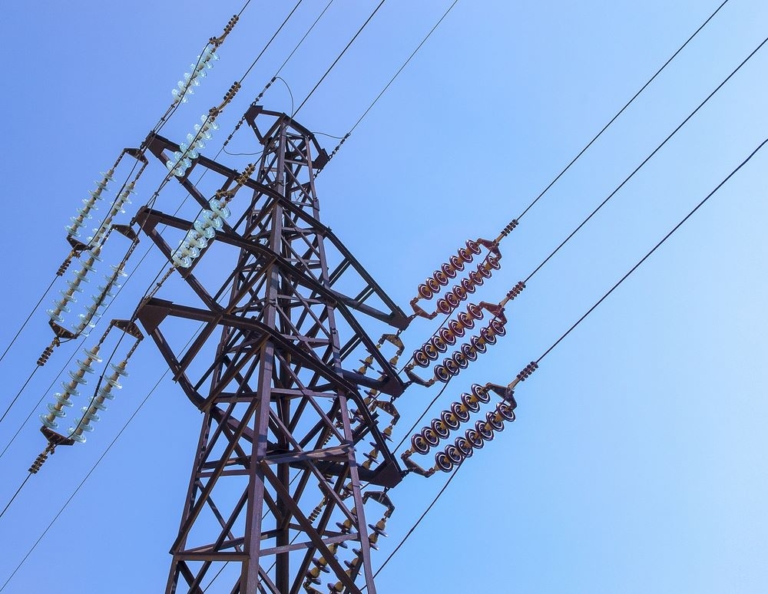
(433, 285)
(460, 360)
(447, 335)
(460, 293)
(475, 439)
(464, 446)
(477, 278)
(485, 272)
(441, 373)
(488, 335)
(448, 270)
(443, 462)
(460, 412)
(466, 320)
(468, 352)
(480, 393)
(495, 420)
(468, 285)
(456, 328)
(430, 436)
(466, 255)
(419, 444)
(449, 419)
(430, 351)
(454, 454)
(425, 292)
(443, 306)
(451, 366)
(439, 344)
(485, 430)
(440, 428)
(457, 263)
(420, 358)
(493, 261)
(470, 402)
(498, 327)
(440, 277)
(478, 344)
(475, 311)
(506, 411)
(473, 247)
(452, 300)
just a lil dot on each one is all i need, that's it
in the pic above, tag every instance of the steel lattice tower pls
(277, 482)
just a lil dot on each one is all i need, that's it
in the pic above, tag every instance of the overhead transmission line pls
(351, 41)
(579, 321)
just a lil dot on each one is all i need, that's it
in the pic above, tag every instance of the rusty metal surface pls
(277, 482)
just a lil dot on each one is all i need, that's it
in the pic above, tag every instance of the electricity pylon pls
(280, 484)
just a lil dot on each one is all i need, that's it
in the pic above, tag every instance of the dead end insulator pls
(527, 371)
(43, 359)
(54, 440)
(508, 229)
(516, 290)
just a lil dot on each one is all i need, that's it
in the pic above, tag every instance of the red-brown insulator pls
(430, 436)
(443, 306)
(440, 277)
(488, 335)
(485, 430)
(506, 410)
(450, 420)
(441, 429)
(474, 247)
(480, 392)
(498, 327)
(454, 454)
(460, 359)
(425, 292)
(466, 255)
(493, 261)
(460, 411)
(469, 352)
(439, 344)
(451, 366)
(430, 351)
(442, 374)
(478, 343)
(452, 300)
(495, 420)
(443, 462)
(477, 278)
(420, 358)
(460, 293)
(457, 328)
(471, 402)
(448, 270)
(432, 285)
(464, 446)
(468, 285)
(475, 311)
(466, 320)
(448, 336)
(419, 444)
(484, 270)
(457, 263)
(474, 438)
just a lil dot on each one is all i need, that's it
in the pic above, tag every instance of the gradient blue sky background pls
(638, 460)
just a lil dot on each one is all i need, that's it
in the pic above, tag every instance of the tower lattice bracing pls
(288, 491)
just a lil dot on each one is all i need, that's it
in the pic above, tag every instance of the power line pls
(581, 319)
(618, 113)
(644, 258)
(351, 41)
(648, 158)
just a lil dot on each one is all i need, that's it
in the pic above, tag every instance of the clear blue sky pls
(638, 460)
